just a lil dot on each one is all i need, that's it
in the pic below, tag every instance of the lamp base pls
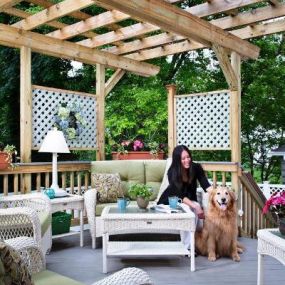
(58, 192)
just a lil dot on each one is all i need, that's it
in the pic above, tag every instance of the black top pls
(188, 190)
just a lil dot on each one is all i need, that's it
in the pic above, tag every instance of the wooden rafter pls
(170, 18)
(111, 17)
(8, 3)
(245, 18)
(186, 45)
(64, 49)
(54, 12)
(113, 80)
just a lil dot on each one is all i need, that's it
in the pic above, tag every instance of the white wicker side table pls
(70, 202)
(270, 242)
(134, 220)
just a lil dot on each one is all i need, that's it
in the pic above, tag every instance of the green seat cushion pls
(47, 277)
(45, 220)
(100, 207)
(130, 171)
(154, 171)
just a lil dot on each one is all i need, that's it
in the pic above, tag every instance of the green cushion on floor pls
(45, 220)
(47, 277)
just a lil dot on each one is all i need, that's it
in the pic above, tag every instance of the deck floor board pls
(85, 265)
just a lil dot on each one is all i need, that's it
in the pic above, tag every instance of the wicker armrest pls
(36, 201)
(20, 221)
(29, 252)
(127, 276)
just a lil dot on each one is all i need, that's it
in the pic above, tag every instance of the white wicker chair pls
(35, 261)
(19, 216)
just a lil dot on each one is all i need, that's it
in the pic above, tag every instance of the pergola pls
(157, 28)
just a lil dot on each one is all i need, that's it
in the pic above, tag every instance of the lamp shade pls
(54, 142)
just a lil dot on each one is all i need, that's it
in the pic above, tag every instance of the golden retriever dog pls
(219, 234)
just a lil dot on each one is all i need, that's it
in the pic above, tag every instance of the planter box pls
(136, 155)
(4, 162)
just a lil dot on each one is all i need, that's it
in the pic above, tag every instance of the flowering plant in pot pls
(149, 150)
(6, 155)
(276, 205)
(142, 193)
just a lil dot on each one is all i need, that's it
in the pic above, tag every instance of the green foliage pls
(140, 190)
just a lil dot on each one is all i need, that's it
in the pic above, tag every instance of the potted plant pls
(276, 205)
(142, 193)
(6, 155)
(137, 149)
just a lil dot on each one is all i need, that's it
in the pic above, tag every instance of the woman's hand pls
(200, 212)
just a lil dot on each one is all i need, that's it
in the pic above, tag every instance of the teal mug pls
(173, 201)
(123, 203)
(50, 193)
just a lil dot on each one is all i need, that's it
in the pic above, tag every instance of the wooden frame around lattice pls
(45, 104)
(202, 120)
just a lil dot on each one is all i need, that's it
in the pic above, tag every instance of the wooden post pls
(171, 89)
(25, 113)
(100, 92)
(235, 119)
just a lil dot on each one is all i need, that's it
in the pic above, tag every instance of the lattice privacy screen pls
(203, 120)
(46, 102)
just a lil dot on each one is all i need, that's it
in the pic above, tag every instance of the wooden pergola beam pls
(245, 33)
(51, 13)
(171, 18)
(113, 80)
(68, 50)
(110, 17)
(245, 18)
(8, 3)
(226, 66)
(121, 34)
(95, 22)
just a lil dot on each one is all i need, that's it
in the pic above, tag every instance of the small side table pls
(270, 242)
(70, 202)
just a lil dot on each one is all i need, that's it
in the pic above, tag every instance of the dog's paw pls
(212, 258)
(240, 250)
(236, 257)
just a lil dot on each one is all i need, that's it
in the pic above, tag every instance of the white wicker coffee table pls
(270, 242)
(134, 220)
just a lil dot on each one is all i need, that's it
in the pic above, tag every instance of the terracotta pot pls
(136, 155)
(282, 226)
(142, 202)
(4, 162)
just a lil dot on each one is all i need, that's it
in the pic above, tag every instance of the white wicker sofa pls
(150, 172)
(26, 215)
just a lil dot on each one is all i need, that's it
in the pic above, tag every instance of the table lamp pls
(55, 143)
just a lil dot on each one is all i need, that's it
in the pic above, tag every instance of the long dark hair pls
(175, 169)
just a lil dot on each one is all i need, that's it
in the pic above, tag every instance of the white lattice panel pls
(45, 106)
(203, 120)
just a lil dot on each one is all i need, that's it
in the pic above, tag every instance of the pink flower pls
(138, 145)
(125, 143)
(276, 203)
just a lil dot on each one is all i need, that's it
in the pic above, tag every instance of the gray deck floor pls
(85, 265)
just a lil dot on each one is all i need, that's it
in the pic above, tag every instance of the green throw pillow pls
(15, 270)
(108, 186)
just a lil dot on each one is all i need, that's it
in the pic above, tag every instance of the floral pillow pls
(13, 271)
(108, 186)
